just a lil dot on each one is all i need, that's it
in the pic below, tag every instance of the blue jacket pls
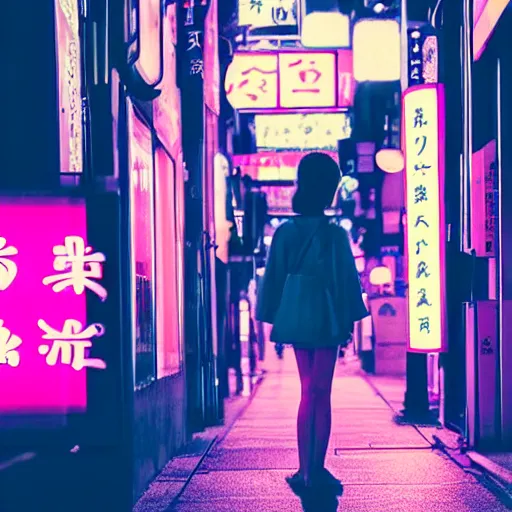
(330, 242)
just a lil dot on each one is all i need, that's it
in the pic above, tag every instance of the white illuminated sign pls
(251, 81)
(307, 79)
(377, 51)
(301, 131)
(325, 30)
(267, 13)
(290, 80)
(424, 146)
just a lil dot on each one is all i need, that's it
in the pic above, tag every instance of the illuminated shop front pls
(486, 233)
(478, 273)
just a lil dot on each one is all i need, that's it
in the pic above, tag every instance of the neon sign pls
(46, 343)
(423, 111)
(290, 80)
(69, 86)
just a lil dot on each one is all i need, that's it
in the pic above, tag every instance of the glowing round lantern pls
(390, 160)
(380, 276)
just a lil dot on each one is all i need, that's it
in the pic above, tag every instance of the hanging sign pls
(69, 86)
(267, 13)
(415, 57)
(301, 132)
(290, 80)
(47, 343)
(423, 122)
(484, 201)
(272, 166)
(211, 59)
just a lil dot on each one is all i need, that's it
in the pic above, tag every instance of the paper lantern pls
(390, 160)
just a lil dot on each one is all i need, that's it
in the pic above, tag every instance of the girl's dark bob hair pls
(318, 177)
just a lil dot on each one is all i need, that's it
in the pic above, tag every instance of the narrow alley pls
(383, 466)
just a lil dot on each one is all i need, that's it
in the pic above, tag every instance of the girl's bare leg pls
(324, 362)
(305, 419)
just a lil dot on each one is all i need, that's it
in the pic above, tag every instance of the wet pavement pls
(383, 466)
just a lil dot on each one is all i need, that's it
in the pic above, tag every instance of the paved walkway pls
(384, 467)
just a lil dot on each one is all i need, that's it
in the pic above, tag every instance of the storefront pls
(484, 234)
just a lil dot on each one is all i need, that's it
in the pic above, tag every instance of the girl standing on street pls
(312, 296)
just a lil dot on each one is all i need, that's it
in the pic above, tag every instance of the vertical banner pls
(211, 59)
(424, 134)
(69, 86)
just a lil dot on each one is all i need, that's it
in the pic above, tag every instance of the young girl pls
(326, 251)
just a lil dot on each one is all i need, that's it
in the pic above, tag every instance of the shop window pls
(142, 248)
(168, 316)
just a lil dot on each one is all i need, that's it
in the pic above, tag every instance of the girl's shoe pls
(297, 483)
(326, 479)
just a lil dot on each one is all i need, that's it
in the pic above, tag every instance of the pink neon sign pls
(45, 267)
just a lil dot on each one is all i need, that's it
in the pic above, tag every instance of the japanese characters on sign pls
(424, 138)
(46, 268)
(69, 86)
(290, 80)
(307, 80)
(484, 200)
(301, 131)
(415, 68)
(251, 81)
(267, 13)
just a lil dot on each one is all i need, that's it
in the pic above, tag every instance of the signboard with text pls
(69, 86)
(271, 166)
(484, 200)
(423, 131)
(46, 342)
(267, 13)
(290, 80)
(301, 132)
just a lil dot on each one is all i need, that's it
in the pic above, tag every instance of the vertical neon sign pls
(69, 86)
(423, 118)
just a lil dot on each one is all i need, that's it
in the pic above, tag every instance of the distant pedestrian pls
(312, 295)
